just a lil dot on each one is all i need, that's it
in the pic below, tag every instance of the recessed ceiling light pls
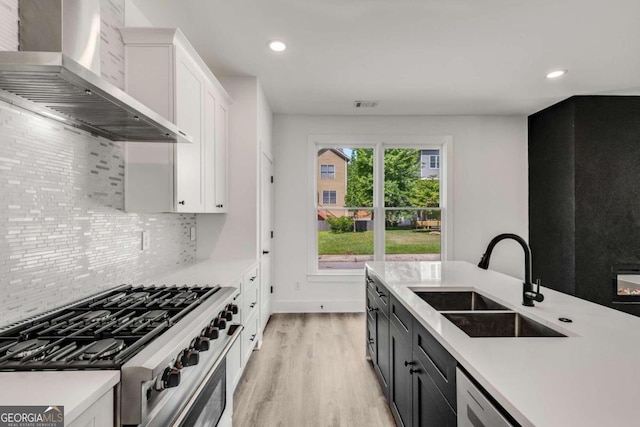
(277, 45)
(556, 74)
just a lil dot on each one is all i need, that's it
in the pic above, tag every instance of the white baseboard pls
(348, 306)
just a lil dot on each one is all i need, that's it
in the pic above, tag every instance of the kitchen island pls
(588, 378)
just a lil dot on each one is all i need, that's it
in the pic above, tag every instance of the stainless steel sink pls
(509, 324)
(458, 301)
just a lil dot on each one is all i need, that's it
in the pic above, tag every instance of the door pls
(266, 236)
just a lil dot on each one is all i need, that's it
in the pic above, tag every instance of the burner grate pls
(102, 332)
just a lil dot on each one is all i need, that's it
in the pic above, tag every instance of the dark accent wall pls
(584, 194)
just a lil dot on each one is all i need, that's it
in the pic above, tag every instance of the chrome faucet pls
(528, 294)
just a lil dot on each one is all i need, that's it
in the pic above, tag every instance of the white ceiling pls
(415, 56)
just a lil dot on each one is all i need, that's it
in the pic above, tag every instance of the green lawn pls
(397, 242)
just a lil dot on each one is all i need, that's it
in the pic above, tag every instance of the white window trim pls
(444, 143)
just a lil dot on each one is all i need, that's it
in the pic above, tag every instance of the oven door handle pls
(192, 400)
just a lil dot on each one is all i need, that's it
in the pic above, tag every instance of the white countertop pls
(590, 378)
(208, 272)
(75, 390)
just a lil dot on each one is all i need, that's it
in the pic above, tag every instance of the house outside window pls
(327, 171)
(430, 164)
(328, 197)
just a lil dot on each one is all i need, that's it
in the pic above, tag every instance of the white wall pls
(489, 196)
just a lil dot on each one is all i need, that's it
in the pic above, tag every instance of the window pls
(385, 209)
(434, 161)
(327, 171)
(328, 197)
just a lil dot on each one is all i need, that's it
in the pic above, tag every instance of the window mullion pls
(378, 202)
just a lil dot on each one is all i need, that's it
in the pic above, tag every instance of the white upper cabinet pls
(163, 71)
(215, 131)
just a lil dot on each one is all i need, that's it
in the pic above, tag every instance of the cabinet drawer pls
(250, 301)
(401, 319)
(251, 277)
(437, 361)
(381, 296)
(371, 286)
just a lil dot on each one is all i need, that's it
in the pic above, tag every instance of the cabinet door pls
(372, 341)
(209, 139)
(382, 350)
(430, 408)
(222, 140)
(189, 157)
(249, 337)
(401, 387)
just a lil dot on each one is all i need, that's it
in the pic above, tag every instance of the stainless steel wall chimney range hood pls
(56, 74)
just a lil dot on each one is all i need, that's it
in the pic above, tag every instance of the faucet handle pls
(538, 296)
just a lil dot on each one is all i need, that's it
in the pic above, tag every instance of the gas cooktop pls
(100, 332)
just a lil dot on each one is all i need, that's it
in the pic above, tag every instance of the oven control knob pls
(212, 332)
(190, 357)
(220, 322)
(169, 378)
(227, 315)
(232, 308)
(200, 343)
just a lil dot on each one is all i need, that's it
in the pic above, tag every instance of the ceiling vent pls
(365, 104)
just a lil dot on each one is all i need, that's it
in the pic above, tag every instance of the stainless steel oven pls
(202, 400)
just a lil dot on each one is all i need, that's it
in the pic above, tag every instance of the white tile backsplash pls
(63, 234)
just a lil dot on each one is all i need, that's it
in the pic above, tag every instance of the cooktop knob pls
(232, 308)
(169, 378)
(220, 322)
(190, 357)
(200, 343)
(227, 315)
(212, 332)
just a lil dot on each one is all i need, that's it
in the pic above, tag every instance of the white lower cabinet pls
(234, 364)
(248, 302)
(250, 336)
(99, 414)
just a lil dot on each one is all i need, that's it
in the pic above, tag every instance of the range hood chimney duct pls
(56, 74)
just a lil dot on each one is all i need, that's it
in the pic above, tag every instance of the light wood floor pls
(311, 371)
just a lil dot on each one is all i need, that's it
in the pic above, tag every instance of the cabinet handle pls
(218, 206)
(254, 304)
(371, 341)
(265, 252)
(253, 337)
(407, 363)
(253, 278)
(414, 371)
(181, 202)
(370, 309)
